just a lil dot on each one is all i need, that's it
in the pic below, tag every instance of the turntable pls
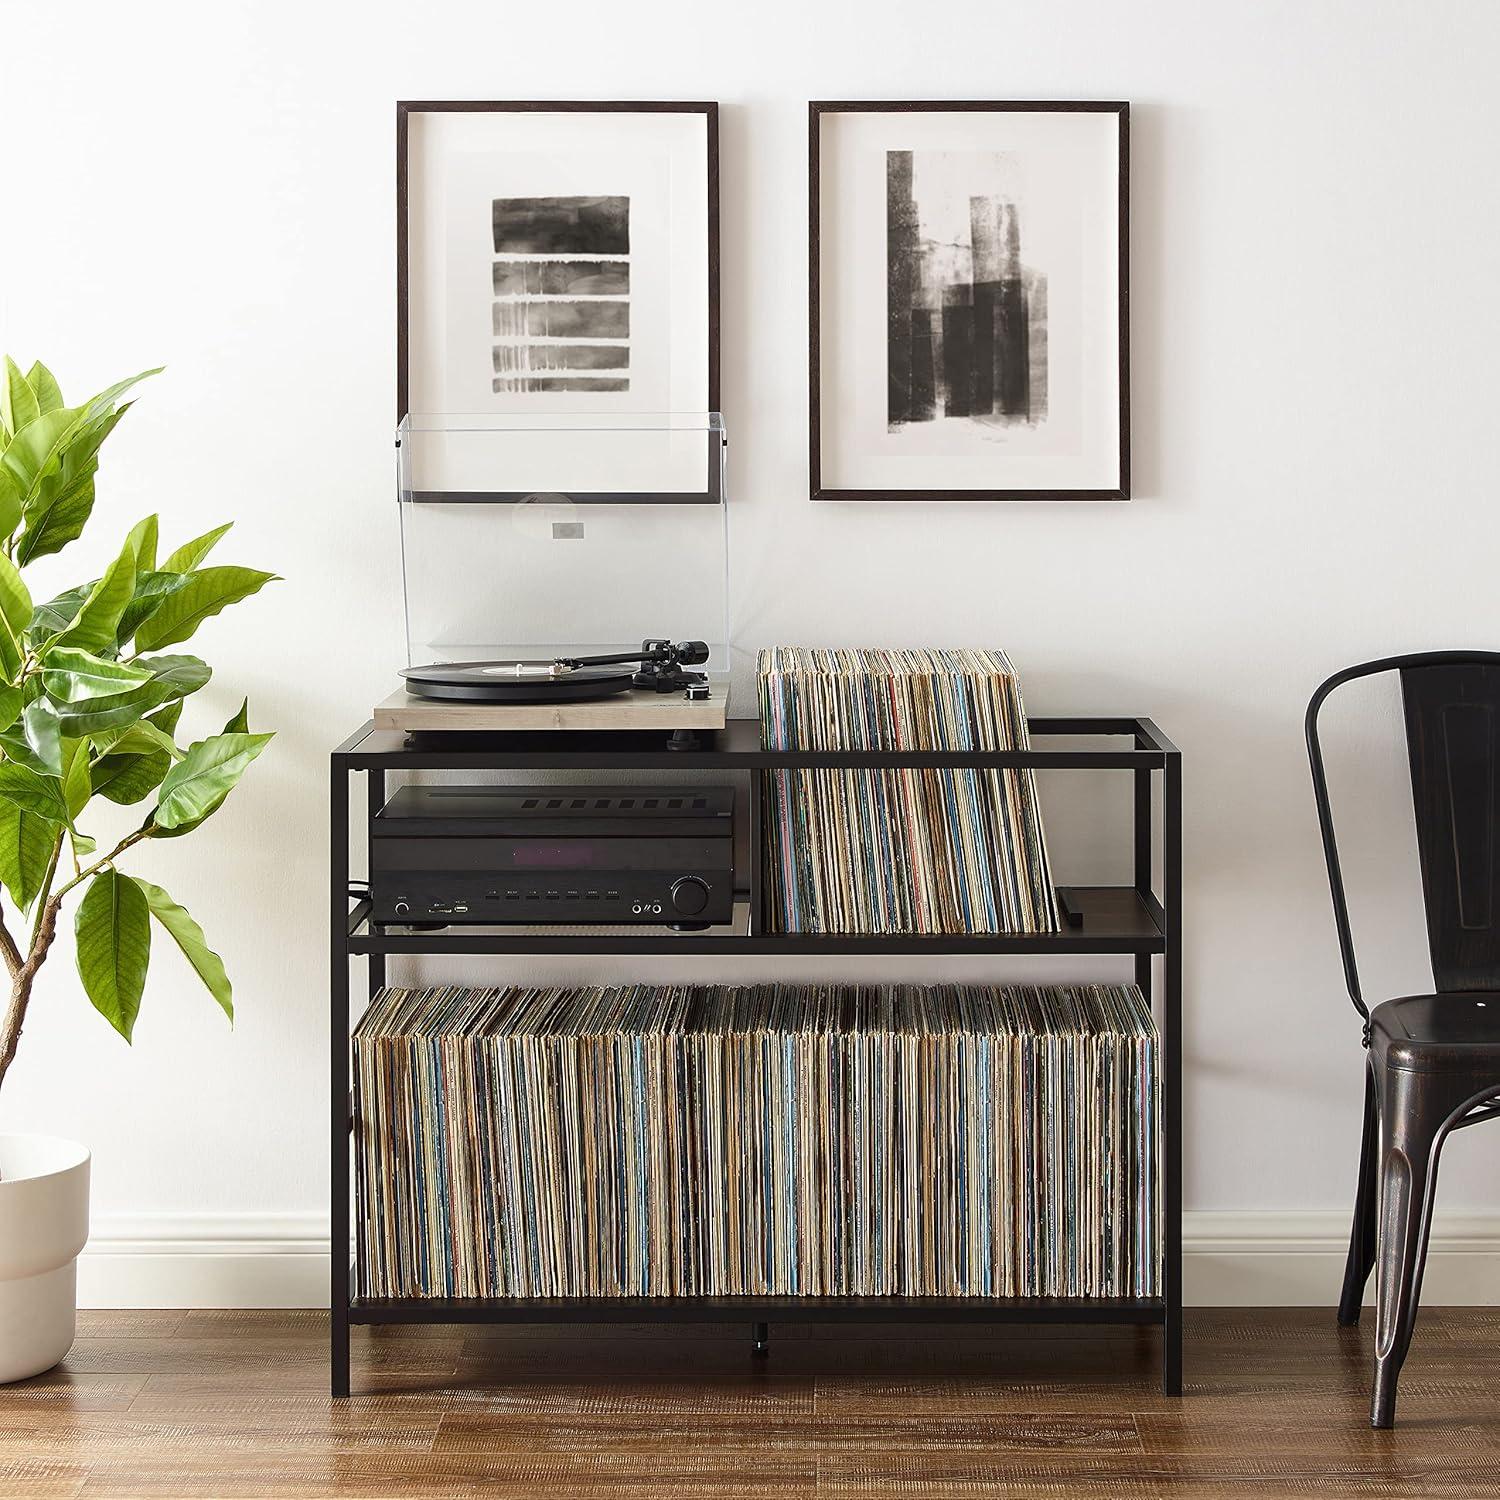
(660, 667)
(649, 689)
(537, 551)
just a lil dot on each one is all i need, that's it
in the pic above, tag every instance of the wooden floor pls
(231, 1404)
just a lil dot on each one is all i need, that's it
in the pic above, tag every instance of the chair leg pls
(1414, 1111)
(1362, 1234)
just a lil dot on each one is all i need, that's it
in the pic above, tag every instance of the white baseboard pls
(1249, 1258)
(205, 1260)
(1295, 1258)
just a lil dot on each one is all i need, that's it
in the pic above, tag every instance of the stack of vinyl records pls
(649, 1141)
(899, 851)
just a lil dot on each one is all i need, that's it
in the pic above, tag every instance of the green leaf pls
(10, 652)
(31, 458)
(11, 700)
(73, 676)
(142, 542)
(151, 729)
(106, 398)
(32, 792)
(54, 617)
(15, 598)
(58, 507)
(18, 403)
(138, 739)
(94, 627)
(164, 678)
(77, 788)
(240, 723)
(10, 499)
(14, 746)
(107, 713)
(197, 785)
(150, 590)
(113, 928)
(43, 732)
(63, 520)
(127, 778)
(176, 676)
(44, 387)
(204, 594)
(190, 554)
(189, 937)
(36, 451)
(47, 470)
(26, 842)
(166, 718)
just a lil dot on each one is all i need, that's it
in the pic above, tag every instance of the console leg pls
(339, 1354)
(338, 1084)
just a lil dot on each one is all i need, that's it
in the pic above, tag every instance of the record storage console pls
(1140, 921)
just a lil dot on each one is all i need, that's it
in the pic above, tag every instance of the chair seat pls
(1457, 1029)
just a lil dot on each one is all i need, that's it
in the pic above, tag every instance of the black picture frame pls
(406, 108)
(816, 110)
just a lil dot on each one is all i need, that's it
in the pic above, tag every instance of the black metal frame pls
(815, 111)
(1128, 920)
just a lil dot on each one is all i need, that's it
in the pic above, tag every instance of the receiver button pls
(689, 896)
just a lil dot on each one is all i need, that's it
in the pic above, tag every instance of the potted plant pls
(91, 689)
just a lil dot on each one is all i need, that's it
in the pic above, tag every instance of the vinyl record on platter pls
(513, 681)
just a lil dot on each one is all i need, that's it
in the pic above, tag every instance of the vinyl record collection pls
(899, 851)
(776, 1140)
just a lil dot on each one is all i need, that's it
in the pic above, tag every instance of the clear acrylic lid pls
(538, 536)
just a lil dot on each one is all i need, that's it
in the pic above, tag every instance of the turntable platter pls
(513, 681)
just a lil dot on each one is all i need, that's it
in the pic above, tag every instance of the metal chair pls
(1434, 1060)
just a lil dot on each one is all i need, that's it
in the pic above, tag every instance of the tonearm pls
(662, 664)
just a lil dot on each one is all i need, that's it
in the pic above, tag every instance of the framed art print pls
(559, 261)
(969, 301)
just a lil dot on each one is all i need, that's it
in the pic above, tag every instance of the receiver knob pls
(689, 896)
(402, 908)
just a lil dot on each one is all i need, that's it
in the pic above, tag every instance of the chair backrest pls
(1451, 705)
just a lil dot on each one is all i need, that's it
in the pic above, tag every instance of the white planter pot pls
(44, 1223)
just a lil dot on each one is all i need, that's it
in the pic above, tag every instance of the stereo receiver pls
(554, 854)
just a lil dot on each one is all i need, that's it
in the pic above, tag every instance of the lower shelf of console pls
(1134, 1310)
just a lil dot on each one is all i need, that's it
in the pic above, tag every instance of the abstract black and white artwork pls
(561, 316)
(967, 314)
(969, 302)
(556, 262)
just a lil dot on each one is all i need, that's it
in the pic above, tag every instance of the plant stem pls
(20, 994)
(8, 949)
(46, 891)
(43, 930)
(42, 934)
(99, 864)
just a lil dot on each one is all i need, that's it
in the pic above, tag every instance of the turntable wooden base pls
(632, 710)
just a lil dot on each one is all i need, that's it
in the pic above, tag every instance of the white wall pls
(1315, 311)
